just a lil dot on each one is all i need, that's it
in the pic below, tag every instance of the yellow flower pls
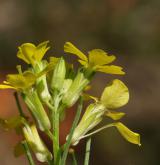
(24, 80)
(19, 81)
(30, 53)
(115, 95)
(97, 59)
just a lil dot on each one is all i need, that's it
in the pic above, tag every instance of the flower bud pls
(33, 139)
(41, 82)
(35, 106)
(58, 75)
(91, 118)
(73, 93)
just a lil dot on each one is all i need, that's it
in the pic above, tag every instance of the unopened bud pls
(58, 75)
(91, 118)
(75, 90)
(36, 144)
(33, 102)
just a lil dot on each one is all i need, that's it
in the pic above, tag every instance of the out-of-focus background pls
(130, 29)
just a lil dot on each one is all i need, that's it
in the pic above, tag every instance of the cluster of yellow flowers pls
(54, 83)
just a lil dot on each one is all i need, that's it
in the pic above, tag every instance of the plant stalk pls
(75, 122)
(87, 153)
(18, 105)
(28, 153)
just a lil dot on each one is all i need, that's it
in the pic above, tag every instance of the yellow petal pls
(26, 52)
(87, 97)
(111, 69)
(84, 63)
(41, 50)
(21, 81)
(130, 136)
(115, 95)
(114, 115)
(54, 60)
(70, 48)
(99, 57)
(47, 69)
(29, 76)
(19, 69)
(87, 88)
(6, 87)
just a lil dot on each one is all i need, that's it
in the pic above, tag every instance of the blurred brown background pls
(130, 29)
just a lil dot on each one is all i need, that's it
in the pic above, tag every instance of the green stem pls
(56, 134)
(74, 158)
(49, 134)
(98, 130)
(55, 129)
(28, 153)
(87, 153)
(18, 105)
(75, 122)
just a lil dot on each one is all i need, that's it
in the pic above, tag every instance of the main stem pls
(55, 133)
(75, 122)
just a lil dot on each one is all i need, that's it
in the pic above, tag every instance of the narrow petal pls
(89, 97)
(111, 69)
(47, 69)
(99, 57)
(70, 48)
(84, 63)
(129, 135)
(41, 50)
(115, 95)
(114, 115)
(6, 87)
(54, 59)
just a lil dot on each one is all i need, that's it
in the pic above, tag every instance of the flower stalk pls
(49, 88)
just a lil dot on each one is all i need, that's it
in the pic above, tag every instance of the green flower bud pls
(58, 75)
(75, 89)
(33, 139)
(41, 82)
(35, 106)
(91, 118)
